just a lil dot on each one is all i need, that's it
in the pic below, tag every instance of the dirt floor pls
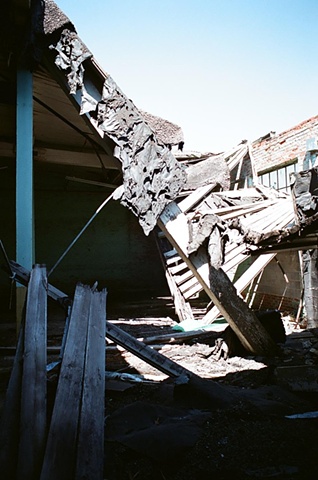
(163, 428)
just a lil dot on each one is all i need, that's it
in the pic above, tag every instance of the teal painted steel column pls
(24, 170)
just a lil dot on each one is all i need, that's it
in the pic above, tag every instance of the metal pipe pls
(83, 230)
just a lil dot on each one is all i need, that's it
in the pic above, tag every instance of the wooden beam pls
(216, 284)
(33, 396)
(60, 455)
(90, 448)
(146, 353)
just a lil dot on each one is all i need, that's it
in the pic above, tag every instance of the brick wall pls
(279, 149)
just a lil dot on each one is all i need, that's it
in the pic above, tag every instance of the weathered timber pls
(216, 284)
(64, 424)
(178, 337)
(144, 352)
(60, 455)
(182, 308)
(33, 395)
(195, 198)
(10, 419)
(217, 394)
(90, 449)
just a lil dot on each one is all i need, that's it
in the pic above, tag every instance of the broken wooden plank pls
(182, 308)
(33, 395)
(60, 455)
(195, 197)
(144, 352)
(216, 284)
(90, 449)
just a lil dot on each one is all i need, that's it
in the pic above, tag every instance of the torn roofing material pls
(167, 132)
(152, 177)
(54, 18)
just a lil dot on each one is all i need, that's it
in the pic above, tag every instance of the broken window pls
(279, 178)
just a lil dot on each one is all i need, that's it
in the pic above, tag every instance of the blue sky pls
(224, 70)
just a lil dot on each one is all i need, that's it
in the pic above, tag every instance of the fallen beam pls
(33, 395)
(216, 284)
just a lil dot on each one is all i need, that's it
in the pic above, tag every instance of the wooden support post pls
(33, 395)
(90, 449)
(24, 179)
(75, 445)
(60, 455)
(216, 284)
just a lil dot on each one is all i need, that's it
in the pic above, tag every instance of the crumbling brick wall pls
(279, 149)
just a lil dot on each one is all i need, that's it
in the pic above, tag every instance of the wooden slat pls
(178, 268)
(189, 284)
(90, 450)
(33, 396)
(172, 260)
(146, 353)
(194, 290)
(245, 211)
(195, 197)
(179, 279)
(182, 308)
(237, 210)
(253, 271)
(60, 456)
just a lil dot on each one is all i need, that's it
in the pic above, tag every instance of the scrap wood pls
(174, 337)
(23, 427)
(75, 445)
(33, 395)
(152, 357)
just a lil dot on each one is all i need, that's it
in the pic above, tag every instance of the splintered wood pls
(70, 444)
(75, 445)
(23, 423)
